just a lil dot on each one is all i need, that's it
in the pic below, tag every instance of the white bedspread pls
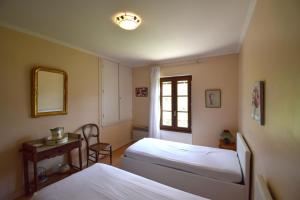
(104, 182)
(205, 161)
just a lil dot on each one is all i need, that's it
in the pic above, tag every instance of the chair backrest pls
(87, 131)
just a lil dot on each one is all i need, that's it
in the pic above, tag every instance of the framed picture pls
(213, 98)
(258, 102)
(141, 92)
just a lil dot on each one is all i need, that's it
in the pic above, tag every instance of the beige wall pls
(207, 123)
(18, 54)
(140, 105)
(271, 53)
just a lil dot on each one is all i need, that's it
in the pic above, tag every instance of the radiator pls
(262, 192)
(139, 133)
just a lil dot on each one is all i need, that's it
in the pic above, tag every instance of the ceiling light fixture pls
(127, 21)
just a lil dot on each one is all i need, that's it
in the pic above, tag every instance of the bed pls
(209, 172)
(104, 182)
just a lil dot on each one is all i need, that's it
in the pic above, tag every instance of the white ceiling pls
(171, 29)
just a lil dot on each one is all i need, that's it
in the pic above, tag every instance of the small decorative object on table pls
(227, 141)
(57, 133)
(227, 137)
(42, 176)
(57, 136)
(63, 168)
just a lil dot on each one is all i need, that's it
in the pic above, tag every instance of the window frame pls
(174, 127)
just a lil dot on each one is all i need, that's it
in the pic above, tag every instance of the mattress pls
(104, 182)
(209, 162)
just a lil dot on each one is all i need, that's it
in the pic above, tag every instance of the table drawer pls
(57, 151)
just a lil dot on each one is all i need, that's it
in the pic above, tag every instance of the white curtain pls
(154, 119)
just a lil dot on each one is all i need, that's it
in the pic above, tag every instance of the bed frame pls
(196, 184)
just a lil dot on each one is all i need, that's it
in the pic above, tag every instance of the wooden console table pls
(230, 146)
(33, 153)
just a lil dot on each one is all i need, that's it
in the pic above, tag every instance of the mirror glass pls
(49, 92)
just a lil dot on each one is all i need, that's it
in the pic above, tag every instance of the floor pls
(116, 157)
(117, 154)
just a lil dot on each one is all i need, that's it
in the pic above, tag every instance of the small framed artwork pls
(213, 98)
(141, 92)
(258, 102)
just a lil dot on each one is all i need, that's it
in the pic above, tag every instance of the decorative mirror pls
(49, 91)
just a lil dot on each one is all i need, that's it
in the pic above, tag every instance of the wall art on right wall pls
(258, 102)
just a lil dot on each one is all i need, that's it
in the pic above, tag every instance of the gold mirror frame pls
(34, 92)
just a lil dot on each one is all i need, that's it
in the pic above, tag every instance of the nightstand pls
(231, 146)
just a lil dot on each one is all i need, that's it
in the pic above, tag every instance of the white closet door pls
(125, 92)
(110, 93)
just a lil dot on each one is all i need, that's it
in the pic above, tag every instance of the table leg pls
(70, 159)
(110, 155)
(26, 178)
(80, 158)
(35, 177)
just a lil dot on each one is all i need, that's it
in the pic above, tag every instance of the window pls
(175, 101)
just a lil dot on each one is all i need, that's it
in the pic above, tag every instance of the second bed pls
(209, 172)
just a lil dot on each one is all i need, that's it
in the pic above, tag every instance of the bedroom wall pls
(271, 53)
(18, 54)
(207, 123)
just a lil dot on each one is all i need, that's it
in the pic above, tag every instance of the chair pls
(94, 150)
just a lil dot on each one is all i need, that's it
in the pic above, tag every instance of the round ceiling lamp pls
(127, 21)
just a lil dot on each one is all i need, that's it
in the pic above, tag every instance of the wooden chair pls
(94, 150)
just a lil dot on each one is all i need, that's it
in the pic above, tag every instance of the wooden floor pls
(116, 157)
(117, 154)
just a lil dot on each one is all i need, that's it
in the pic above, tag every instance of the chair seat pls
(100, 147)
